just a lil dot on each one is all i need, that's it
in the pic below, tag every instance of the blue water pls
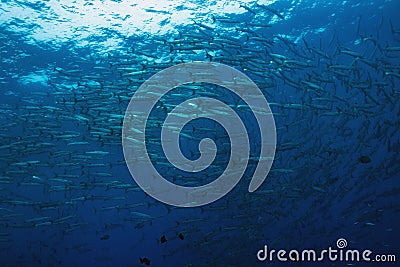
(330, 71)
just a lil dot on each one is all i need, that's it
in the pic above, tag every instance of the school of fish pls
(66, 193)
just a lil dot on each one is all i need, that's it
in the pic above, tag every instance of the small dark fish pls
(248, 9)
(139, 225)
(273, 11)
(181, 237)
(364, 159)
(145, 261)
(105, 237)
(163, 239)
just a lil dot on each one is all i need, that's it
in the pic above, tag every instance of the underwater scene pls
(317, 185)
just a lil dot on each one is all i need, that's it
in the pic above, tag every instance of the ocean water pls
(330, 71)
